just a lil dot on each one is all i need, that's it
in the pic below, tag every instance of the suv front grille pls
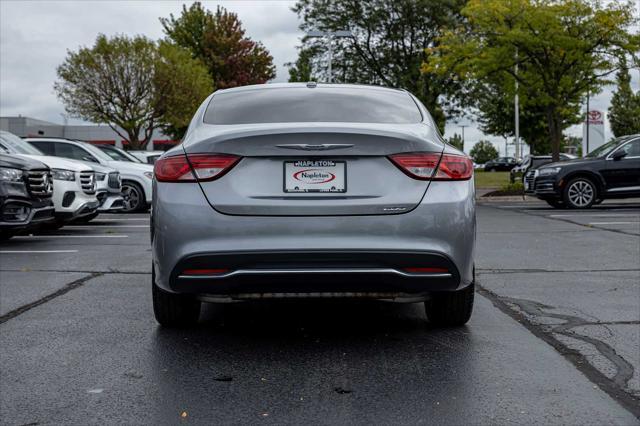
(88, 182)
(40, 183)
(114, 180)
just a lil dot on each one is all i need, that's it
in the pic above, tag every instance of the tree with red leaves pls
(219, 41)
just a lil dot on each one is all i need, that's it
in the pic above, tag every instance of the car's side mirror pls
(89, 158)
(619, 155)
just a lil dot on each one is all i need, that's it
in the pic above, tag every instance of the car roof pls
(311, 84)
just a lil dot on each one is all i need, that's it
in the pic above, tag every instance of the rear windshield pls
(291, 105)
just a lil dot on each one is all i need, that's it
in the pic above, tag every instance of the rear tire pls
(174, 310)
(450, 308)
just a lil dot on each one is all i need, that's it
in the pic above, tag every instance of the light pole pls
(462, 126)
(517, 111)
(330, 35)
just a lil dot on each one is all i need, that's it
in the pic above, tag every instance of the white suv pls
(74, 185)
(136, 177)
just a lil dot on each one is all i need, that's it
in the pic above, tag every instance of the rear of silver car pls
(322, 205)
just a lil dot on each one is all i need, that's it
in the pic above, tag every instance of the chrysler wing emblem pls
(318, 147)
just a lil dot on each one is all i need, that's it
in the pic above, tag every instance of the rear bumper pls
(313, 254)
(273, 274)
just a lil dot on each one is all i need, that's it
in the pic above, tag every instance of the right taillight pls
(195, 167)
(432, 166)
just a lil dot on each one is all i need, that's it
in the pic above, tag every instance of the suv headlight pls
(61, 174)
(100, 176)
(148, 174)
(548, 171)
(10, 175)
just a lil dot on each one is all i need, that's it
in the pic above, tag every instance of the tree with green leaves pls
(133, 85)
(564, 49)
(302, 69)
(181, 83)
(219, 41)
(390, 41)
(624, 112)
(483, 151)
(456, 141)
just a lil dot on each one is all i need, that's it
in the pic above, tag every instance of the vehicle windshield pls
(301, 104)
(120, 155)
(605, 149)
(15, 145)
(97, 152)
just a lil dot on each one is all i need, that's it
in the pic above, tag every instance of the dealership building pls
(93, 133)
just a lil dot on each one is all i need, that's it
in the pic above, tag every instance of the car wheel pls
(558, 204)
(174, 310)
(450, 308)
(5, 235)
(133, 197)
(580, 193)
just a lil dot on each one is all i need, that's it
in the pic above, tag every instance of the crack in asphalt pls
(560, 219)
(79, 271)
(614, 387)
(624, 370)
(67, 288)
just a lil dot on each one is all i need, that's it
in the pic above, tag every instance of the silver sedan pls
(313, 191)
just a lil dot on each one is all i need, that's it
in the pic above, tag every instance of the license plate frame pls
(318, 166)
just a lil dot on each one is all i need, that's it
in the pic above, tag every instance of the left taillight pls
(433, 166)
(195, 167)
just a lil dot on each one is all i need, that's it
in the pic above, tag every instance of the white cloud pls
(35, 37)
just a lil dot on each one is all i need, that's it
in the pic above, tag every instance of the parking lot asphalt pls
(554, 338)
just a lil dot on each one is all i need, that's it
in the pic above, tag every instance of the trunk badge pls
(318, 147)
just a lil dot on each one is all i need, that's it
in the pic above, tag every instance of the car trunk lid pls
(314, 169)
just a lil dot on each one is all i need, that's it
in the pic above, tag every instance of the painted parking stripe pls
(118, 220)
(36, 251)
(30, 237)
(596, 215)
(105, 226)
(614, 223)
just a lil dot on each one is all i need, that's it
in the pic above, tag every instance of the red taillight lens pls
(202, 167)
(418, 165)
(454, 167)
(432, 166)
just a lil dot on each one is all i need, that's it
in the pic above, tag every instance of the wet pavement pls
(554, 338)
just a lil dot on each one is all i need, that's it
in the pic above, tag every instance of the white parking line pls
(37, 251)
(70, 236)
(595, 215)
(614, 223)
(105, 226)
(118, 220)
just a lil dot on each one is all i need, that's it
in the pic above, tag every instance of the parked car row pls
(51, 181)
(610, 171)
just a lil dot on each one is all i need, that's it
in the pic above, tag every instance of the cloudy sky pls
(35, 36)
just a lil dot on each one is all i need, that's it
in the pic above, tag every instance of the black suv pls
(502, 164)
(531, 162)
(25, 194)
(610, 171)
